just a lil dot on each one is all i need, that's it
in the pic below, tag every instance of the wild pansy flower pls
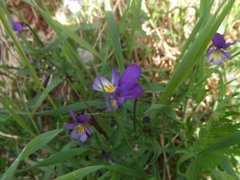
(80, 130)
(217, 54)
(16, 26)
(120, 88)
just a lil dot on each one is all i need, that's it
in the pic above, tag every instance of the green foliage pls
(34, 145)
(168, 133)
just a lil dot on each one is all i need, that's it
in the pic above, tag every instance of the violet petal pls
(75, 134)
(226, 54)
(218, 61)
(216, 57)
(88, 130)
(83, 137)
(111, 103)
(83, 118)
(133, 93)
(115, 77)
(209, 53)
(121, 100)
(69, 126)
(219, 41)
(130, 76)
(17, 26)
(73, 116)
(229, 44)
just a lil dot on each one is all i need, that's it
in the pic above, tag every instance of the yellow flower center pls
(80, 129)
(217, 53)
(109, 88)
(113, 103)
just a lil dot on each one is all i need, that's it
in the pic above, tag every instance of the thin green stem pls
(199, 45)
(134, 115)
(125, 138)
(29, 114)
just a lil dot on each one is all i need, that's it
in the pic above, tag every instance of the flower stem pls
(126, 139)
(134, 115)
(99, 128)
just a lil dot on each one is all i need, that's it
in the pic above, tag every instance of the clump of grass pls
(184, 126)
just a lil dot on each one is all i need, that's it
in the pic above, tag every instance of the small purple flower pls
(80, 130)
(16, 26)
(121, 88)
(217, 54)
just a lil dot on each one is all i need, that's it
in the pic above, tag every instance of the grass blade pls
(190, 58)
(35, 144)
(80, 173)
(112, 26)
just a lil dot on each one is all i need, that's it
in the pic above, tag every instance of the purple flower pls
(80, 129)
(217, 54)
(16, 26)
(120, 88)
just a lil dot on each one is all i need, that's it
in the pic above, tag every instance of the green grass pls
(183, 127)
